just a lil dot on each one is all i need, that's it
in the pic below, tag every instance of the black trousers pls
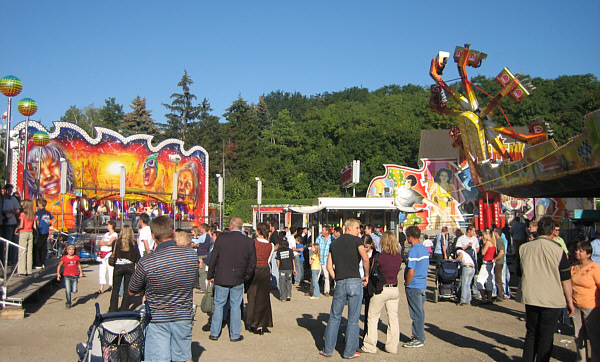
(40, 249)
(121, 273)
(541, 324)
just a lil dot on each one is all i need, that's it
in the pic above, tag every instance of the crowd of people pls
(355, 266)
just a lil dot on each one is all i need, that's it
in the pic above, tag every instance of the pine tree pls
(138, 120)
(183, 114)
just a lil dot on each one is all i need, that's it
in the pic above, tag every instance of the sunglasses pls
(150, 163)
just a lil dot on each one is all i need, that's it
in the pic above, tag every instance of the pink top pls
(27, 223)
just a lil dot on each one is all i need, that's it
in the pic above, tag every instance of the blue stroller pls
(446, 280)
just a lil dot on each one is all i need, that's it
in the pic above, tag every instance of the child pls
(71, 273)
(287, 266)
(315, 268)
(299, 259)
(43, 222)
(183, 239)
(195, 236)
(25, 232)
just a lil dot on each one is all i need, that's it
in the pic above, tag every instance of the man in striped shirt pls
(167, 277)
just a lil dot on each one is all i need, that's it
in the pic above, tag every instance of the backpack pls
(376, 278)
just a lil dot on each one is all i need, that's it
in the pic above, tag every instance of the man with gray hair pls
(547, 289)
(232, 262)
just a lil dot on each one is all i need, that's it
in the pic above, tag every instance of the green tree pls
(138, 120)
(111, 115)
(86, 118)
(183, 114)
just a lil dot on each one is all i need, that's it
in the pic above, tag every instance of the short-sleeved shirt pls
(324, 245)
(418, 260)
(501, 246)
(464, 241)
(585, 285)
(345, 256)
(286, 259)
(70, 265)
(43, 217)
(167, 276)
(27, 223)
(145, 234)
(11, 204)
(300, 252)
(466, 258)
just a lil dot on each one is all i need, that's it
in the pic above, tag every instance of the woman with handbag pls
(388, 263)
(259, 315)
(124, 258)
(106, 246)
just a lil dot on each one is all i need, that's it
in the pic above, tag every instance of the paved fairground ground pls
(50, 332)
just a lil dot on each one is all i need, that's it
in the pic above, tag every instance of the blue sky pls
(83, 52)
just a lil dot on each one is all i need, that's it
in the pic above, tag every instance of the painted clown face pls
(185, 186)
(149, 172)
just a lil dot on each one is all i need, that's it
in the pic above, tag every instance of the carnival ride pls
(542, 169)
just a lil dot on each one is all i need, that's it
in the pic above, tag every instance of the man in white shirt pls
(469, 239)
(145, 241)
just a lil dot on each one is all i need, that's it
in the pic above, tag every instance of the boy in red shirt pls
(72, 272)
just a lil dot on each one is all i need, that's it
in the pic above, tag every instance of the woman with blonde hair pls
(485, 278)
(390, 262)
(126, 255)
(25, 232)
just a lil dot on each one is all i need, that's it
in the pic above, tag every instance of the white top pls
(466, 258)
(145, 234)
(427, 243)
(464, 242)
(106, 238)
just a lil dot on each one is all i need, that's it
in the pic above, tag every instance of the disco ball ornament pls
(41, 138)
(27, 107)
(10, 86)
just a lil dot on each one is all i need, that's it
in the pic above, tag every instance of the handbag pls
(111, 260)
(376, 278)
(207, 304)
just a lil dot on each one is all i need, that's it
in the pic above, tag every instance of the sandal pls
(99, 292)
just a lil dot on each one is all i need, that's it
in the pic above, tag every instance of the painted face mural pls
(93, 168)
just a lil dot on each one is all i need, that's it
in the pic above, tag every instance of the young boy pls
(71, 273)
(43, 222)
(287, 266)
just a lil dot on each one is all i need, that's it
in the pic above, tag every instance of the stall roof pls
(357, 203)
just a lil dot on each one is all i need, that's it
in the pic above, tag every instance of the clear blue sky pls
(83, 52)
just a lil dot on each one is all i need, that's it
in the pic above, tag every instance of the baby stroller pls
(446, 275)
(117, 336)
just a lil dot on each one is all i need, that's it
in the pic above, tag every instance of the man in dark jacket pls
(232, 262)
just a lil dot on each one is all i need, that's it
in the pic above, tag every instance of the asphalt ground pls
(50, 332)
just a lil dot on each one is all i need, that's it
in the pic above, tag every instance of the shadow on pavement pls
(494, 351)
(197, 351)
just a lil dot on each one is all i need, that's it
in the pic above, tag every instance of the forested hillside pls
(297, 144)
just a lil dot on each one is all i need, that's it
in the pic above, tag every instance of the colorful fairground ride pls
(537, 166)
(127, 176)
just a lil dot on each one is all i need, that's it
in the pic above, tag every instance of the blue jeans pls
(506, 279)
(416, 302)
(274, 274)
(466, 277)
(299, 270)
(235, 295)
(168, 341)
(316, 292)
(70, 286)
(351, 291)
